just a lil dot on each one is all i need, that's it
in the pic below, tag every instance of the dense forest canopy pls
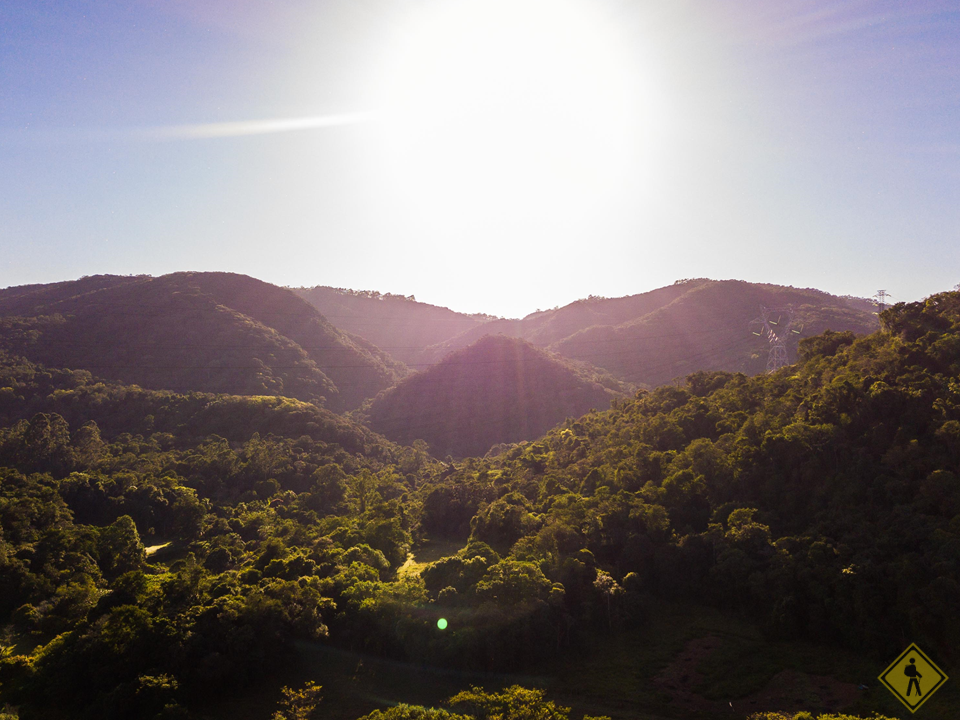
(821, 502)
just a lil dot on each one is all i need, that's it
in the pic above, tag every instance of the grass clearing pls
(428, 552)
(155, 548)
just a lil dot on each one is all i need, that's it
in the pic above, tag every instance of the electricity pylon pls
(881, 298)
(776, 323)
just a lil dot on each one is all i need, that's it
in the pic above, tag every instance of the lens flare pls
(254, 127)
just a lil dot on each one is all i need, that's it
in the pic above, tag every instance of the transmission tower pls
(881, 298)
(775, 324)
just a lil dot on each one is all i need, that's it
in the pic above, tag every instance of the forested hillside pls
(707, 328)
(400, 325)
(498, 390)
(215, 332)
(692, 325)
(94, 472)
(819, 504)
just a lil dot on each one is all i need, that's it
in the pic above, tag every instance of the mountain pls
(498, 390)
(692, 325)
(212, 332)
(707, 328)
(395, 323)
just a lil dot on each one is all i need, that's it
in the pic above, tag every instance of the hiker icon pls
(903, 676)
(911, 672)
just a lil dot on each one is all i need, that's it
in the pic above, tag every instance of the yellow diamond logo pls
(913, 678)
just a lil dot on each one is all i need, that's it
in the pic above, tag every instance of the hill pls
(707, 328)
(214, 332)
(92, 472)
(654, 337)
(398, 324)
(498, 390)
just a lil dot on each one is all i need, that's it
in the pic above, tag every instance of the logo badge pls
(913, 678)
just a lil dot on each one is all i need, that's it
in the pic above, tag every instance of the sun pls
(511, 111)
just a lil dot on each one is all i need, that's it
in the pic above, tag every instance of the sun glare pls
(511, 111)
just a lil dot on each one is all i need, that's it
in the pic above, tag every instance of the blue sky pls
(515, 155)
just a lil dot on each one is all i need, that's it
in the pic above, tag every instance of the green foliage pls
(510, 582)
(41, 444)
(504, 521)
(119, 549)
(514, 703)
(825, 345)
(253, 565)
(299, 704)
(455, 572)
(413, 712)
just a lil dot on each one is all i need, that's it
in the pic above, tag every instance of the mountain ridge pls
(671, 313)
(401, 325)
(196, 338)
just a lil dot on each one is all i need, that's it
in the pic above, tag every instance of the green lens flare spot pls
(442, 623)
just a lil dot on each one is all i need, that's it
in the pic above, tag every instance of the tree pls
(119, 548)
(510, 582)
(40, 445)
(413, 712)
(514, 703)
(609, 589)
(299, 704)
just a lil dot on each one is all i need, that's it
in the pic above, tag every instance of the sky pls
(497, 156)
